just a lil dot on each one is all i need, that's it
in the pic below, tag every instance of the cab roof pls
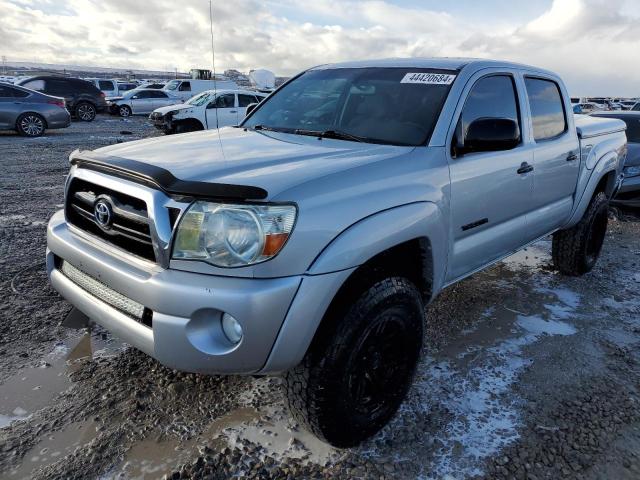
(438, 63)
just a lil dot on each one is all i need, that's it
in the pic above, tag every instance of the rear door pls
(142, 102)
(161, 99)
(222, 112)
(10, 106)
(490, 191)
(556, 157)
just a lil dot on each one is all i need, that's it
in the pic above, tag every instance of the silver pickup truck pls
(307, 241)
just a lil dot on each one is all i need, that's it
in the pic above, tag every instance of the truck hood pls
(171, 108)
(269, 160)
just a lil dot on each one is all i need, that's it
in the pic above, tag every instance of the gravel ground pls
(525, 373)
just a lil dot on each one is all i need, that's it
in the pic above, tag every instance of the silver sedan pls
(30, 113)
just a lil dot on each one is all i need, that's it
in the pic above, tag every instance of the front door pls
(222, 112)
(490, 191)
(556, 158)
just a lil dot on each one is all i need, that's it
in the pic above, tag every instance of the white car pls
(140, 102)
(188, 88)
(210, 109)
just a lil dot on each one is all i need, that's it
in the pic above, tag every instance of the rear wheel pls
(85, 111)
(31, 125)
(575, 251)
(124, 110)
(359, 369)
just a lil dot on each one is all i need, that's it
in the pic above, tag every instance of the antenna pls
(213, 60)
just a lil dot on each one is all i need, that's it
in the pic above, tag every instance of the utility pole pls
(4, 64)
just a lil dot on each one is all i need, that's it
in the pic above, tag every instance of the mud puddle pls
(270, 428)
(54, 447)
(34, 387)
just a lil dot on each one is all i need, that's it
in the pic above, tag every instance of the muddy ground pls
(525, 373)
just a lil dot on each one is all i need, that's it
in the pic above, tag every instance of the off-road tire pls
(360, 365)
(575, 251)
(31, 125)
(85, 111)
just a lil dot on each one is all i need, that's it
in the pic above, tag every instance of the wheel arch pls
(30, 112)
(189, 121)
(603, 178)
(407, 241)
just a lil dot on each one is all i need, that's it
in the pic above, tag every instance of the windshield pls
(397, 106)
(172, 85)
(199, 100)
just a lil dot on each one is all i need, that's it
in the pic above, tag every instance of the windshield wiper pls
(337, 134)
(266, 128)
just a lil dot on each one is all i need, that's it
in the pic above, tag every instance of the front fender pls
(374, 234)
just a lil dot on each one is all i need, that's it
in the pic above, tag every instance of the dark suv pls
(83, 99)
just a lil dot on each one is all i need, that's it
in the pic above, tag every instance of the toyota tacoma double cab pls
(307, 241)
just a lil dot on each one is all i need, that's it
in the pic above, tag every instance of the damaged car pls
(210, 109)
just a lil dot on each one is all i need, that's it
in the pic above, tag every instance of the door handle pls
(572, 156)
(525, 168)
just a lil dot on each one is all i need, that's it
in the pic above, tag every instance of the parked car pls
(308, 241)
(83, 99)
(153, 85)
(586, 108)
(629, 193)
(628, 104)
(140, 102)
(126, 87)
(30, 113)
(636, 107)
(210, 109)
(187, 88)
(107, 86)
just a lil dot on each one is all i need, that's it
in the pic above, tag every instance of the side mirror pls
(250, 108)
(490, 135)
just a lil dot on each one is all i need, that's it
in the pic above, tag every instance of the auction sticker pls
(429, 78)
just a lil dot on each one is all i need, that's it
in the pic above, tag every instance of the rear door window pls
(185, 87)
(547, 109)
(6, 92)
(37, 85)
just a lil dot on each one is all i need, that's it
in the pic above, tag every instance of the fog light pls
(231, 328)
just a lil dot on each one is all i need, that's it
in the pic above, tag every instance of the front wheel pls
(85, 111)
(357, 373)
(124, 111)
(575, 251)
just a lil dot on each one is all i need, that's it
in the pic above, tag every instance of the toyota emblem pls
(102, 213)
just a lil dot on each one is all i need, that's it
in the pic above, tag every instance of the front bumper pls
(186, 307)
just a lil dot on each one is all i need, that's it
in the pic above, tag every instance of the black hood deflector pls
(151, 174)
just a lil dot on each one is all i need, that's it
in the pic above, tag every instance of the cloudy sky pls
(593, 44)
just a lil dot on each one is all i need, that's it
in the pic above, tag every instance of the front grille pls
(112, 298)
(129, 224)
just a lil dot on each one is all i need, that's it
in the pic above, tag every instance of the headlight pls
(233, 235)
(631, 171)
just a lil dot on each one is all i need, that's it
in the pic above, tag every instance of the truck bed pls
(588, 127)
